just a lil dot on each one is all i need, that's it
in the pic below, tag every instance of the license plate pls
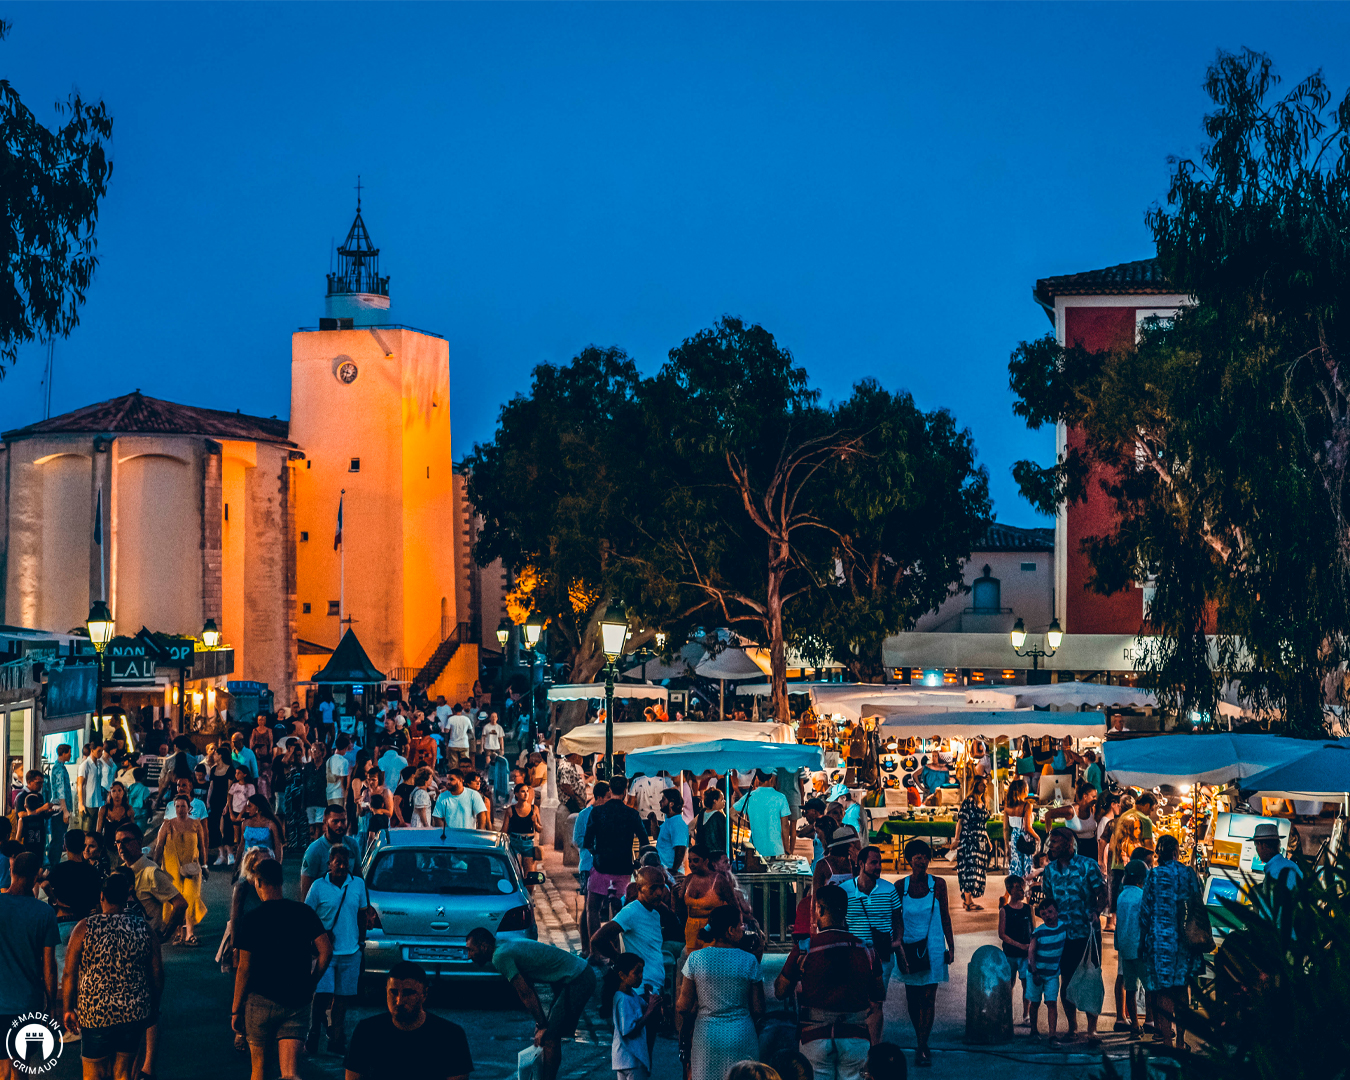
(437, 952)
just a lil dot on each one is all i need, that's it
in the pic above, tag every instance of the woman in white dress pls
(927, 937)
(720, 1000)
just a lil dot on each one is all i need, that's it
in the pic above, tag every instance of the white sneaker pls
(220, 859)
(229, 861)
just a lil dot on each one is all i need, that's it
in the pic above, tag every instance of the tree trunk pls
(778, 567)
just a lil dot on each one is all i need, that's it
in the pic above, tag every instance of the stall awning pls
(1197, 759)
(721, 756)
(622, 691)
(349, 664)
(848, 699)
(1323, 772)
(992, 725)
(590, 738)
(729, 664)
(1072, 695)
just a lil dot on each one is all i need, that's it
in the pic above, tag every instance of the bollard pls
(571, 853)
(548, 814)
(989, 997)
(562, 832)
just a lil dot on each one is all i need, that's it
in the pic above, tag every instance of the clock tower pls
(370, 409)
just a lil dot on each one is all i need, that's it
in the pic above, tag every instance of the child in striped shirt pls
(1047, 947)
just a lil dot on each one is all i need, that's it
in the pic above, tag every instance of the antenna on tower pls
(358, 193)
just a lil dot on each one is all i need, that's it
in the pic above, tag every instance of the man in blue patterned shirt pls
(60, 790)
(1080, 895)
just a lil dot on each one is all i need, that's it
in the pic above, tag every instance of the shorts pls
(266, 1021)
(1132, 971)
(314, 814)
(341, 976)
(1047, 990)
(97, 1043)
(522, 844)
(1021, 969)
(599, 884)
(887, 970)
(569, 1001)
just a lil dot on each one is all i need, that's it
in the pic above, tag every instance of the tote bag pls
(1086, 991)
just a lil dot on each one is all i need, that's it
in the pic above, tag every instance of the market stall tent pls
(847, 699)
(1322, 773)
(588, 691)
(1013, 723)
(730, 663)
(590, 738)
(1071, 695)
(1197, 759)
(349, 664)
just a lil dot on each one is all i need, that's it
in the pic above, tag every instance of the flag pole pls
(342, 566)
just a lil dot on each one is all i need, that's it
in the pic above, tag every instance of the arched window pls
(985, 594)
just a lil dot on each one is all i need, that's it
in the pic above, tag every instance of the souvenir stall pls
(929, 759)
(775, 894)
(1196, 779)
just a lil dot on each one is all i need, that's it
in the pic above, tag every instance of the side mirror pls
(535, 877)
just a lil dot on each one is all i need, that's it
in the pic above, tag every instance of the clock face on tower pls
(347, 372)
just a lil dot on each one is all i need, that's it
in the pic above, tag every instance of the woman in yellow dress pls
(178, 849)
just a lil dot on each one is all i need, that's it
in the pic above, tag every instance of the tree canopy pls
(51, 182)
(721, 492)
(1223, 435)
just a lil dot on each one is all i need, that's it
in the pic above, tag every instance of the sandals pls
(923, 1059)
(190, 942)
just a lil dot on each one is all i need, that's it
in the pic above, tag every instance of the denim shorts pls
(341, 976)
(1039, 990)
(97, 1043)
(266, 1021)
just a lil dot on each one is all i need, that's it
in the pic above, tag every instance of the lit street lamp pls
(1053, 636)
(504, 632)
(534, 627)
(210, 634)
(100, 626)
(613, 634)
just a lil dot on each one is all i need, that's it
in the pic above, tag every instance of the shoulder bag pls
(333, 925)
(917, 959)
(1196, 928)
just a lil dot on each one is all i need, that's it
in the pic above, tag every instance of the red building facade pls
(1097, 310)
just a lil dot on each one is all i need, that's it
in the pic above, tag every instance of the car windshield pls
(443, 872)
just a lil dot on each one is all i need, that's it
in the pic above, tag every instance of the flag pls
(98, 519)
(337, 537)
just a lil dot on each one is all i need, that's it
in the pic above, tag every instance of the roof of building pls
(349, 664)
(1012, 538)
(1130, 278)
(136, 414)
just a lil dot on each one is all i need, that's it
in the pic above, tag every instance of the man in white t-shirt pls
(458, 730)
(442, 713)
(640, 924)
(326, 711)
(337, 773)
(459, 807)
(340, 901)
(644, 796)
(493, 736)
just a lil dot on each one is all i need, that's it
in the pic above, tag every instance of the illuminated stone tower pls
(370, 408)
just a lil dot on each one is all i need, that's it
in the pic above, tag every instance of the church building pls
(280, 533)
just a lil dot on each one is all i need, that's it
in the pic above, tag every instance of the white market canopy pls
(590, 738)
(848, 699)
(1071, 695)
(765, 689)
(730, 663)
(992, 725)
(587, 691)
(1197, 759)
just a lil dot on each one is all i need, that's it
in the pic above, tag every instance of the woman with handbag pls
(1020, 842)
(178, 851)
(1173, 935)
(927, 946)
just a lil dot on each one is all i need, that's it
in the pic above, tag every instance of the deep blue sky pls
(878, 185)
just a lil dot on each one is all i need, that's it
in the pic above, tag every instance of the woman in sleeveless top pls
(701, 892)
(925, 920)
(522, 826)
(113, 814)
(178, 850)
(261, 828)
(1018, 812)
(113, 963)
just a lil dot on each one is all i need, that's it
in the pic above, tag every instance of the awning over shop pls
(992, 725)
(1197, 759)
(590, 738)
(848, 699)
(721, 755)
(622, 691)
(1066, 695)
(348, 665)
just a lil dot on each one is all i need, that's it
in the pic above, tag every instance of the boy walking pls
(1047, 949)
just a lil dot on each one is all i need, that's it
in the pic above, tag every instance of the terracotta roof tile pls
(136, 414)
(1140, 276)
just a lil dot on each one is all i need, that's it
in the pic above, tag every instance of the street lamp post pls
(613, 634)
(100, 626)
(534, 626)
(1053, 636)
